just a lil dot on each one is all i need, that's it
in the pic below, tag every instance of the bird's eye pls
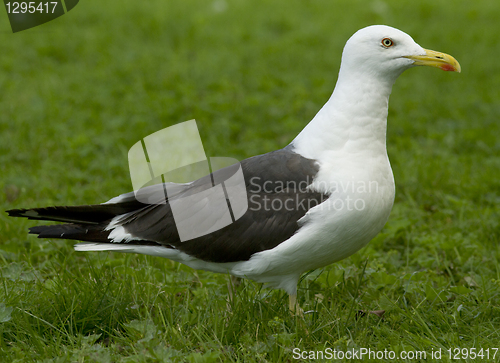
(387, 42)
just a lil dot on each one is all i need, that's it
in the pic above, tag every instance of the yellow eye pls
(387, 42)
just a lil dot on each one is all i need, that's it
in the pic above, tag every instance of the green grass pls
(78, 92)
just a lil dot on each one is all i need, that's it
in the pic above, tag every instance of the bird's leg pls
(294, 307)
(233, 283)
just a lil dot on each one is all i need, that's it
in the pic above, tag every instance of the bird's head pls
(387, 51)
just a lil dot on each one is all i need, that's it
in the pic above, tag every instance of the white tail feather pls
(89, 246)
(160, 251)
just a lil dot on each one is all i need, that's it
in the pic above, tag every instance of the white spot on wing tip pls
(116, 221)
(119, 235)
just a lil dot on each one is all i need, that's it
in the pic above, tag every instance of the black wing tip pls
(41, 231)
(34, 230)
(61, 231)
(72, 231)
(16, 212)
(31, 213)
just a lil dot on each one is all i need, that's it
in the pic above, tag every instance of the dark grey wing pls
(277, 195)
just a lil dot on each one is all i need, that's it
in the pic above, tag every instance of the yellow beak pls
(436, 59)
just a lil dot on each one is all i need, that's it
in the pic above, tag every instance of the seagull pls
(314, 202)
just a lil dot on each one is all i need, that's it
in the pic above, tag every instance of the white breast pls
(362, 195)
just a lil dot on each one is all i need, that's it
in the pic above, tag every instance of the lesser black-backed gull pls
(329, 192)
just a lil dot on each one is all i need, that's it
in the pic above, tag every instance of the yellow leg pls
(232, 285)
(294, 307)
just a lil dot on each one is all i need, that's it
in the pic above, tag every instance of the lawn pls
(78, 92)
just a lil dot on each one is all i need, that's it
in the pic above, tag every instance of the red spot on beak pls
(447, 67)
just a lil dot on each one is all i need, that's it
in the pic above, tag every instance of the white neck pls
(353, 119)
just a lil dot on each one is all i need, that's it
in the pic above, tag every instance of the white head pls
(384, 51)
(355, 116)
